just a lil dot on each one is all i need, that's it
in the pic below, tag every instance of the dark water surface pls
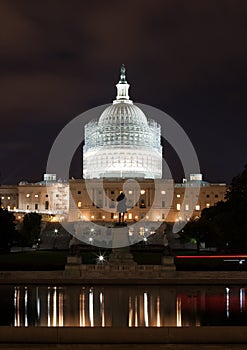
(122, 306)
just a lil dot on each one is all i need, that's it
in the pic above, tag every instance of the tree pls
(195, 231)
(7, 229)
(225, 222)
(30, 230)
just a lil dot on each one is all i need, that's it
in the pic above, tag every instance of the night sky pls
(59, 58)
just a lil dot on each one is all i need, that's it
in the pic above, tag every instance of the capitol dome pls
(123, 143)
(122, 112)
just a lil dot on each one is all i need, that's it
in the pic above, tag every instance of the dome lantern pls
(122, 87)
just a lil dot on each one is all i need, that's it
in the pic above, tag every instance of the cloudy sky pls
(59, 58)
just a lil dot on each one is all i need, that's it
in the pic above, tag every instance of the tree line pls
(223, 225)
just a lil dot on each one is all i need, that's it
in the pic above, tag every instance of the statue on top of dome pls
(122, 76)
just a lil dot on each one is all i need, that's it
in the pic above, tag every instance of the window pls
(36, 206)
(112, 204)
(36, 195)
(142, 191)
(187, 207)
(178, 195)
(178, 206)
(216, 196)
(197, 207)
(142, 204)
(28, 195)
(130, 216)
(79, 204)
(207, 205)
(112, 192)
(46, 205)
(141, 231)
(142, 215)
(130, 192)
(27, 206)
(163, 216)
(46, 195)
(8, 197)
(78, 192)
(163, 204)
(208, 195)
(163, 192)
(57, 195)
(2, 197)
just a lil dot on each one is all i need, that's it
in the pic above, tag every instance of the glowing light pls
(92, 216)
(142, 191)
(145, 306)
(102, 309)
(158, 311)
(25, 306)
(82, 310)
(49, 308)
(241, 298)
(28, 195)
(91, 310)
(55, 306)
(130, 312)
(227, 302)
(101, 258)
(179, 312)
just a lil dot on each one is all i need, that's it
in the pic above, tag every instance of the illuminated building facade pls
(123, 143)
(122, 146)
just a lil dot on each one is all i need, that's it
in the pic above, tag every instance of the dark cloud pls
(61, 57)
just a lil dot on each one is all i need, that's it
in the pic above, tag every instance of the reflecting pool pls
(122, 306)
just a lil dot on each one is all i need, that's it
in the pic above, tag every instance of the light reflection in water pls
(145, 307)
(26, 300)
(227, 302)
(126, 306)
(179, 314)
(158, 311)
(82, 310)
(91, 315)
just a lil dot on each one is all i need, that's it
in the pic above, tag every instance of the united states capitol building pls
(122, 153)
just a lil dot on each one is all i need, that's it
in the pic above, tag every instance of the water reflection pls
(122, 306)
